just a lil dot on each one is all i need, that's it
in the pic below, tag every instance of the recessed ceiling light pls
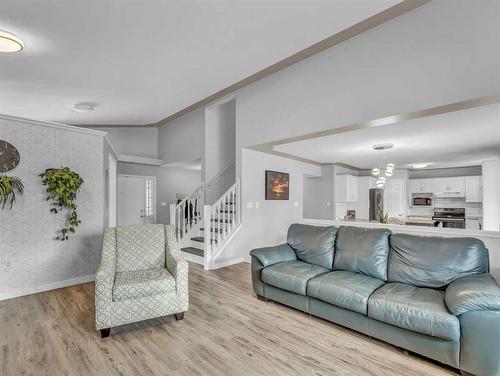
(385, 146)
(9, 42)
(83, 107)
(420, 165)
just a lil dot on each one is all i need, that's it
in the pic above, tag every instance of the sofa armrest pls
(174, 262)
(272, 255)
(105, 275)
(473, 293)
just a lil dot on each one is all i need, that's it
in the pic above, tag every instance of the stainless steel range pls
(449, 217)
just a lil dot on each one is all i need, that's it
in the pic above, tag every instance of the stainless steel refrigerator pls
(376, 204)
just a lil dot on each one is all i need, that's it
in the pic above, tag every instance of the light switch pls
(249, 205)
(163, 203)
(296, 204)
(328, 203)
(256, 204)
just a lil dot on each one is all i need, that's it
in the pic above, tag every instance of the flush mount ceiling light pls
(385, 146)
(9, 42)
(420, 165)
(84, 107)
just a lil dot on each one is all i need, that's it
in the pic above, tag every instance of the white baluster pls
(207, 255)
(233, 206)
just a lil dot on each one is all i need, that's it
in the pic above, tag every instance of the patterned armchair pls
(141, 276)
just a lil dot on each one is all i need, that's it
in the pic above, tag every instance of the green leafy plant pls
(383, 218)
(9, 187)
(62, 187)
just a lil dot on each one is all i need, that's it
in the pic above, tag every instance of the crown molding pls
(269, 147)
(49, 124)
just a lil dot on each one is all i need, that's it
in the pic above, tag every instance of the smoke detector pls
(379, 147)
(84, 107)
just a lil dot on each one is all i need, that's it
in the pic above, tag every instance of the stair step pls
(194, 251)
(224, 220)
(227, 211)
(212, 229)
(201, 239)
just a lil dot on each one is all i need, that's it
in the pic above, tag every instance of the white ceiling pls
(145, 60)
(463, 138)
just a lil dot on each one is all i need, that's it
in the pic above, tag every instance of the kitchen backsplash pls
(471, 208)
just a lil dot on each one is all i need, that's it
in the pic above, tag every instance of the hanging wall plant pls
(62, 187)
(9, 187)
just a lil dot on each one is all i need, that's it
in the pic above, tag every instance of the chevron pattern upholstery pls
(141, 275)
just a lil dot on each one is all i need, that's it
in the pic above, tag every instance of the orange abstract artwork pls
(277, 185)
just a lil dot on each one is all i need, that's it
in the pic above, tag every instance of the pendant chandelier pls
(382, 173)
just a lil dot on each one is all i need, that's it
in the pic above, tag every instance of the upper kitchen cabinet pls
(473, 189)
(450, 186)
(422, 186)
(346, 188)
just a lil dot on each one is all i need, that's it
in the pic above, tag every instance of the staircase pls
(203, 234)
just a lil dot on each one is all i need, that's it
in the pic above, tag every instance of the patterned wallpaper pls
(30, 258)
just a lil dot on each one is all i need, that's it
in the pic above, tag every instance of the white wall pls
(491, 195)
(182, 139)
(319, 200)
(142, 142)
(269, 223)
(219, 167)
(31, 259)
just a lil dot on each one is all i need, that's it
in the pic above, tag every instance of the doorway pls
(136, 200)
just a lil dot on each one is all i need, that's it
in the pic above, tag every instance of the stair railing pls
(187, 213)
(220, 221)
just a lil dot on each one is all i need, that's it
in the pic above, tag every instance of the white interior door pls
(135, 200)
(393, 198)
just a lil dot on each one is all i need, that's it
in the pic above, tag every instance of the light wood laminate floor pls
(227, 331)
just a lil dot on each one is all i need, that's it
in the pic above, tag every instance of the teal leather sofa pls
(431, 295)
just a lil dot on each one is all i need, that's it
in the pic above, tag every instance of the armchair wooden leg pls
(179, 316)
(105, 332)
(263, 298)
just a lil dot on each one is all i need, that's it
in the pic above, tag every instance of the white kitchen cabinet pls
(473, 189)
(346, 188)
(452, 187)
(422, 185)
(472, 224)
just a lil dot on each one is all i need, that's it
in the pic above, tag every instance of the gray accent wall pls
(141, 142)
(31, 259)
(182, 139)
(319, 198)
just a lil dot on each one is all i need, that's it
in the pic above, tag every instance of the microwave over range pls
(422, 201)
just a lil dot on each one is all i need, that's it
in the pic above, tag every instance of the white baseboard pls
(225, 263)
(49, 286)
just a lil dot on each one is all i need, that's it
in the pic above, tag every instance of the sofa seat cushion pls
(291, 275)
(421, 310)
(344, 289)
(134, 284)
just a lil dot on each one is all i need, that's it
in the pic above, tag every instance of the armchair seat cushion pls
(291, 275)
(134, 284)
(344, 289)
(421, 310)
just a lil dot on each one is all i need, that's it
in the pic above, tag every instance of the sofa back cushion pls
(435, 262)
(313, 244)
(140, 247)
(362, 250)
